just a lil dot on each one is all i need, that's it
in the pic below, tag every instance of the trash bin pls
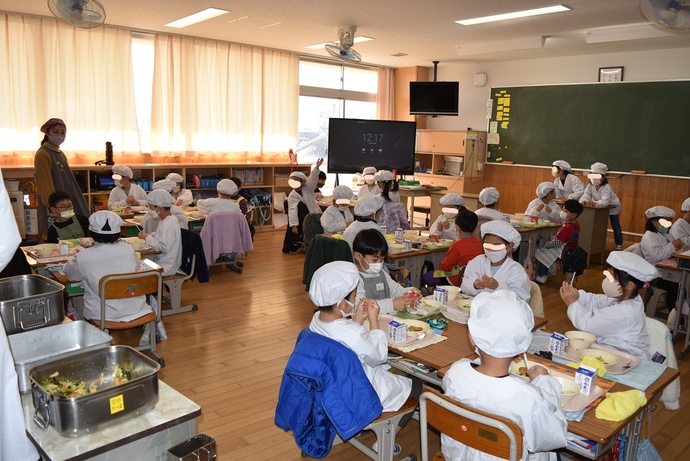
(201, 447)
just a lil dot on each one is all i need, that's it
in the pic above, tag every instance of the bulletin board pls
(628, 126)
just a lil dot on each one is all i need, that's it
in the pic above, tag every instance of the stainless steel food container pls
(33, 348)
(74, 417)
(30, 301)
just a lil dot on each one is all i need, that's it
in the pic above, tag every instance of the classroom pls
(230, 339)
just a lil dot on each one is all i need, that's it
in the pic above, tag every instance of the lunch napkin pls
(591, 362)
(618, 406)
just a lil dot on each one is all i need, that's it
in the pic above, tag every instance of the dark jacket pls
(192, 245)
(324, 391)
(323, 250)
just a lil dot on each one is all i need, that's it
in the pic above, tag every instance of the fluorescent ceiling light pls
(204, 15)
(529, 43)
(358, 39)
(514, 15)
(630, 32)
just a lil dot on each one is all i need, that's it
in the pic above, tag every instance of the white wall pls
(671, 64)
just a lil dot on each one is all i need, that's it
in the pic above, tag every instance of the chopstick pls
(524, 357)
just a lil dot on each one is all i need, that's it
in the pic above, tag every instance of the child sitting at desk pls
(223, 203)
(370, 249)
(333, 289)
(125, 192)
(568, 235)
(151, 220)
(167, 237)
(616, 318)
(460, 252)
(489, 198)
(445, 225)
(337, 217)
(681, 228)
(369, 186)
(544, 207)
(500, 326)
(393, 214)
(66, 224)
(108, 256)
(496, 269)
(180, 195)
(366, 214)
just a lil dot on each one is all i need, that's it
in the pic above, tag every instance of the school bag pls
(574, 260)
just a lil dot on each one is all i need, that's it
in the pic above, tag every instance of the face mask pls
(662, 230)
(343, 207)
(374, 268)
(67, 214)
(596, 181)
(176, 189)
(349, 314)
(554, 171)
(564, 216)
(496, 256)
(56, 139)
(611, 289)
(118, 183)
(152, 214)
(369, 181)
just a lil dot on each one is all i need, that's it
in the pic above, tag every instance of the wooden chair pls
(129, 285)
(536, 302)
(482, 431)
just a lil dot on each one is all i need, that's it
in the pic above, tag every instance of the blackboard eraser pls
(507, 162)
(638, 172)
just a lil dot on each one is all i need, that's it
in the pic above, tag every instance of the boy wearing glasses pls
(66, 224)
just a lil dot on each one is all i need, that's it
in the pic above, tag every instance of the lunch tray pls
(617, 369)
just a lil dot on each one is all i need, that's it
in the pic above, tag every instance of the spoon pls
(627, 365)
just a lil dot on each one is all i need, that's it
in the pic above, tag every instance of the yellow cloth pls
(593, 363)
(337, 236)
(619, 405)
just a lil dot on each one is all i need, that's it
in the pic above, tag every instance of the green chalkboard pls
(628, 126)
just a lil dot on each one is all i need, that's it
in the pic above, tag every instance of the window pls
(331, 90)
(142, 71)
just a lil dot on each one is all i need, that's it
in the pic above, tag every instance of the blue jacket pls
(324, 390)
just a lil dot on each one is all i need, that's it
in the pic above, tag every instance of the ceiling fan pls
(669, 14)
(85, 14)
(342, 49)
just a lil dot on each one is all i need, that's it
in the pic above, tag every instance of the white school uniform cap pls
(332, 282)
(631, 263)
(452, 199)
(298, 175)
(686, 205)
(384, 175)
(227, 187)
(160, 197)
(368, 205)
(503, 230)
(342, 193)
(501, 323)
(544, 188)
(660, 212)
(164, 184)
(488, 196)
(599, 168)
(175, 177)
(369, 170)
(562, 164)
(123, 171)
(105, 222)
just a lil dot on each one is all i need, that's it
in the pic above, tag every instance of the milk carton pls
(558, 344)
(586, 379)
(397, 331)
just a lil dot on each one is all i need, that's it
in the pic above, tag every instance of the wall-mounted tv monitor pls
(354, 144)
(434, 98)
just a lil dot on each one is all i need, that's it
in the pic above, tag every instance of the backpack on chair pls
(574, 260)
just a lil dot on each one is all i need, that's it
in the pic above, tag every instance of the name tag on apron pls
(379, 286)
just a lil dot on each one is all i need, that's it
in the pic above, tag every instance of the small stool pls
(653, 301)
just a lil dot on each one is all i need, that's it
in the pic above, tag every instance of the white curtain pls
(385, 97)
(222, 100)
(48, 69)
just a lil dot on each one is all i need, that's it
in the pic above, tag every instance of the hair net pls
(175, 177)
(544, 188)
(503, 230)
(368, 205)
(123, 170)
(452, 199)
(227, 187)
(105, 222)
(298, 175)
(686, 205)
(369, 170)
(332, 282)
(51, 123)
(660, 212)
(599, 168)
(488, 196)
(633, 264)
(562, 164)
(160, 197)
(342, 192)
(164, 184)
(384, 175)
(501, 323)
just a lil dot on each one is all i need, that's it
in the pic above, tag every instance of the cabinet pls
(271, 178)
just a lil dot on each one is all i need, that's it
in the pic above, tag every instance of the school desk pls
(414, 261)
(594, 224)
(409, 193)
(41, 265)
(676, 270)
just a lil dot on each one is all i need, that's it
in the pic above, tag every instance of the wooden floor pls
(229, 357)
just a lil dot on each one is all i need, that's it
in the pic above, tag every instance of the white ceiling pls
(424, 30)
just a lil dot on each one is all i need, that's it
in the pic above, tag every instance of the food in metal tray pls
(76, 388)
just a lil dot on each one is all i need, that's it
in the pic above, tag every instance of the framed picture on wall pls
(611, 74)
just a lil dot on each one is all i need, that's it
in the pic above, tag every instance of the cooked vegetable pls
(76, 388)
